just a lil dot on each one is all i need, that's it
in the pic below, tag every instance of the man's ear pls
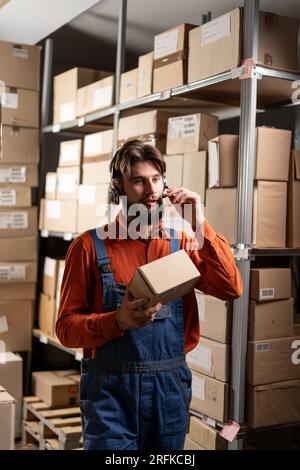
(118, 185)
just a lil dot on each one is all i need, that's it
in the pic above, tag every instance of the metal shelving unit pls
(248, 91)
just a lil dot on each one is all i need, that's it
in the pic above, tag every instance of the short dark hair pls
(132, 152)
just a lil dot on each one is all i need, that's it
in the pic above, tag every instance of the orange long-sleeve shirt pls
(81, 324)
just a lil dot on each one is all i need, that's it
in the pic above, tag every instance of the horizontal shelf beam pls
(45, 339)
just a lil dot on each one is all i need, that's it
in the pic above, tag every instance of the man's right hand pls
(133, 313)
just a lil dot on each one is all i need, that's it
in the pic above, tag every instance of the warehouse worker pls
(135, 384)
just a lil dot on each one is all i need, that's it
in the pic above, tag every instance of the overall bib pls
(135, 393)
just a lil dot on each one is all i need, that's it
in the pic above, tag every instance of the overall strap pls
(174, 241)
(101, 253)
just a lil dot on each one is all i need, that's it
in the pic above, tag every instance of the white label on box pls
(102, 97)
(50, 184)
(67, 183)
(10, 100)
(93, 144)
(182, 127)
(203, 355)
(69, 153)
(267, 293)
(53, 209)
(198, 387)
(67, 111)
(13, 220)
(213, 164)
(216, 29)
(143, 76)
(20, 53)
(3, 324)
(87, 195)
(128, 84)
(201, 307)
(165, 43)
(13, 273)
(49, 267)
(8, 197)
(262, 347)
(13, 174)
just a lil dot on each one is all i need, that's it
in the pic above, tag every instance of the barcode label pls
(267, 293)
(181, 127)
(20, 53)
(13, 220)
(262, 347)
(13, 174)
(8, 197)
(12, 273)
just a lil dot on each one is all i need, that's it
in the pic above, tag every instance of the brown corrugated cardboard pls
(98, 146)
(270, 319)
(55, 390)
(99, 95)
(210, 397)
(11, 373)
(25, 291)
(170, 72)
(273, 404)
(195, 173)
(46, 314)
(150, 122)
(7, 419)
(223, 153)
(96, 172)
(270, 284)
(20, 108)
(92, 207)
(68, 179)
(128, 87)
(215, 317)
(15, 272)
(17, 197)
(19, 145)
(191, 133)
(20, 65)
(19, 175)
(210, 358)
(271, 361)
(65, 91)
(18, 222)
(50, 276)
(16, 324)
(60, 216)
(51, 185)
(145, 70)
(174, 164)
(206, 436)
(18, 249)
(214, 46)
(171, 41)
(165, 279)
(70, 153)
(221, 211)
(273, 148)
(293, 218)
(189, 444)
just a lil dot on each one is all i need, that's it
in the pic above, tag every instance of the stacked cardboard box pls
(7, 419)
(47, 306)
(11, 378)
(293, 216)
(57, 388)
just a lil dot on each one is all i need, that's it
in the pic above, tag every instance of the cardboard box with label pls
(47, 314)
(206, 436)
(223, 152)
(16, 320)
(92, 207)
(18, 222)
(55, 389)
(270, 319)
(11, 373)
(293, 204)
(50, 276)
(270, 284)
(98, 146)
(273, 404)
(273, 147)
(171, 58)
(19, 145)
(66, 85)
(17, 197)
(210, 397)
(16, 272)
(129, 84)
(7, 419)
(96, 96)
(19, 175)
(210, 358)
(20, 108)
(70, 153)
(51, 185)
(272, 360)
(191, 133)
(68, 179)
(25, 291)
(20, 65)
(18, 249)
(215, 317)
(96, 172)
(145, 73)
(165, 279)
(60, 216)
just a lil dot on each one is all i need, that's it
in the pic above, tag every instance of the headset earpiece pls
(113, 194)
(165, 186)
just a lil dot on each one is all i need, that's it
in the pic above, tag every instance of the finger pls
(152, 310)
(135, 304)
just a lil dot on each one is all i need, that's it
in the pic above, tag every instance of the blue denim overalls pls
(135, 393)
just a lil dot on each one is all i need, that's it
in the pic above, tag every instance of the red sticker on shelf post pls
(230, 430)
